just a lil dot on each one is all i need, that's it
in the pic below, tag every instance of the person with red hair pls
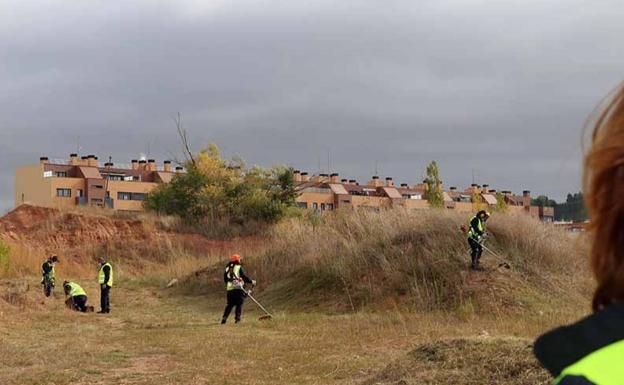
(235, 280)
(591, 351)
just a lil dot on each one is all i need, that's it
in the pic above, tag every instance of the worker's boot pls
(223, 321)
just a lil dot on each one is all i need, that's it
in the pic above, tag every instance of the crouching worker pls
(235, 280)
(77, 297)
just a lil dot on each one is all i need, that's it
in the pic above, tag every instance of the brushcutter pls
(501, 261)
(267, 315)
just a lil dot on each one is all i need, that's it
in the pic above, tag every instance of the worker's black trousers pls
(235, 298)
(476, 251)
(80, 303)
(105, 299)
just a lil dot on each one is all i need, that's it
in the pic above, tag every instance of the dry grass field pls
(359, 299)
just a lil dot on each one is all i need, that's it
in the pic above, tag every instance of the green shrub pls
(5, 261)
(217, 190)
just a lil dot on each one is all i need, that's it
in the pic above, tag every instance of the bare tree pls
(186, 147)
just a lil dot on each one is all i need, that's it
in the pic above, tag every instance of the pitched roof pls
(165, 177)
(338, 189)
(391, 192)
(89, 172)
(490, 199)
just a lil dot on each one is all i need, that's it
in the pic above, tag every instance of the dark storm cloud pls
(499, 87)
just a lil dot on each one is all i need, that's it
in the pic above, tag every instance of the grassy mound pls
(466, 361)
(418, 260)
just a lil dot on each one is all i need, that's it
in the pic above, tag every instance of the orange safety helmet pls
(235, 258)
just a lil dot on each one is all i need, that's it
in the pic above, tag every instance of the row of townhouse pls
(82, 181)
(324, 192)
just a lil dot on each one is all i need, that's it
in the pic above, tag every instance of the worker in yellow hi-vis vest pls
(76, 297)
(235, 280)
(105, 279)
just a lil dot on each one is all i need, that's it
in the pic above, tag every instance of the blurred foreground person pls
(591, 351)
(235, 280)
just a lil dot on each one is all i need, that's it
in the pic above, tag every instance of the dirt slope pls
(78, 236)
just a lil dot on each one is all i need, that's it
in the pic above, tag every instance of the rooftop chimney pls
(404, 185)
(151, 165)
(142, 164)
(73, 159)
(486, 188)
(333, 178)
(297, 176)
(352, 182)
(389, 182)
(167, 166)
(134, 164)
(453, 188)
(375, 181)
(304, 177)
(92, 161)
(526, 198)
(179, 169)
(43, 160)
(108, 164)
(344, 181)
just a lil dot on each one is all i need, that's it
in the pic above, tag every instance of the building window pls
(63, 192)
(114, 177)
(124, 196)
(130, 196)
(302, 205)
(323, 207)
(98, 186)
(315, 206)
(330, 206)
(79, 193)
(61, 174)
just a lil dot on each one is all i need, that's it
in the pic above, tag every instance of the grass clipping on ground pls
(466, 361)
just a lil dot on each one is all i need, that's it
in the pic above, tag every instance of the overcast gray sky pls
(501, 87)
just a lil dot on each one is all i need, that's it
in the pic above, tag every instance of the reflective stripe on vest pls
(101, 275)
(236, 279)
(603, 367)
(75, 290)
(50, 274)
(471, 232)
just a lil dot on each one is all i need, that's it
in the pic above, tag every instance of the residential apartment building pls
(84, 181)
(325, 192)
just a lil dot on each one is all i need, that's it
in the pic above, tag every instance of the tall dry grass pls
(416, 259)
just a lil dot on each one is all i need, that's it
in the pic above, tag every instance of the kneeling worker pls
(235, 280)
(77, 296)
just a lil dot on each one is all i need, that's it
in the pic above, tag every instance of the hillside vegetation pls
(369, 260)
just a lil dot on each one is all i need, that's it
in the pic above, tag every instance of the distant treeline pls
(572, 210)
